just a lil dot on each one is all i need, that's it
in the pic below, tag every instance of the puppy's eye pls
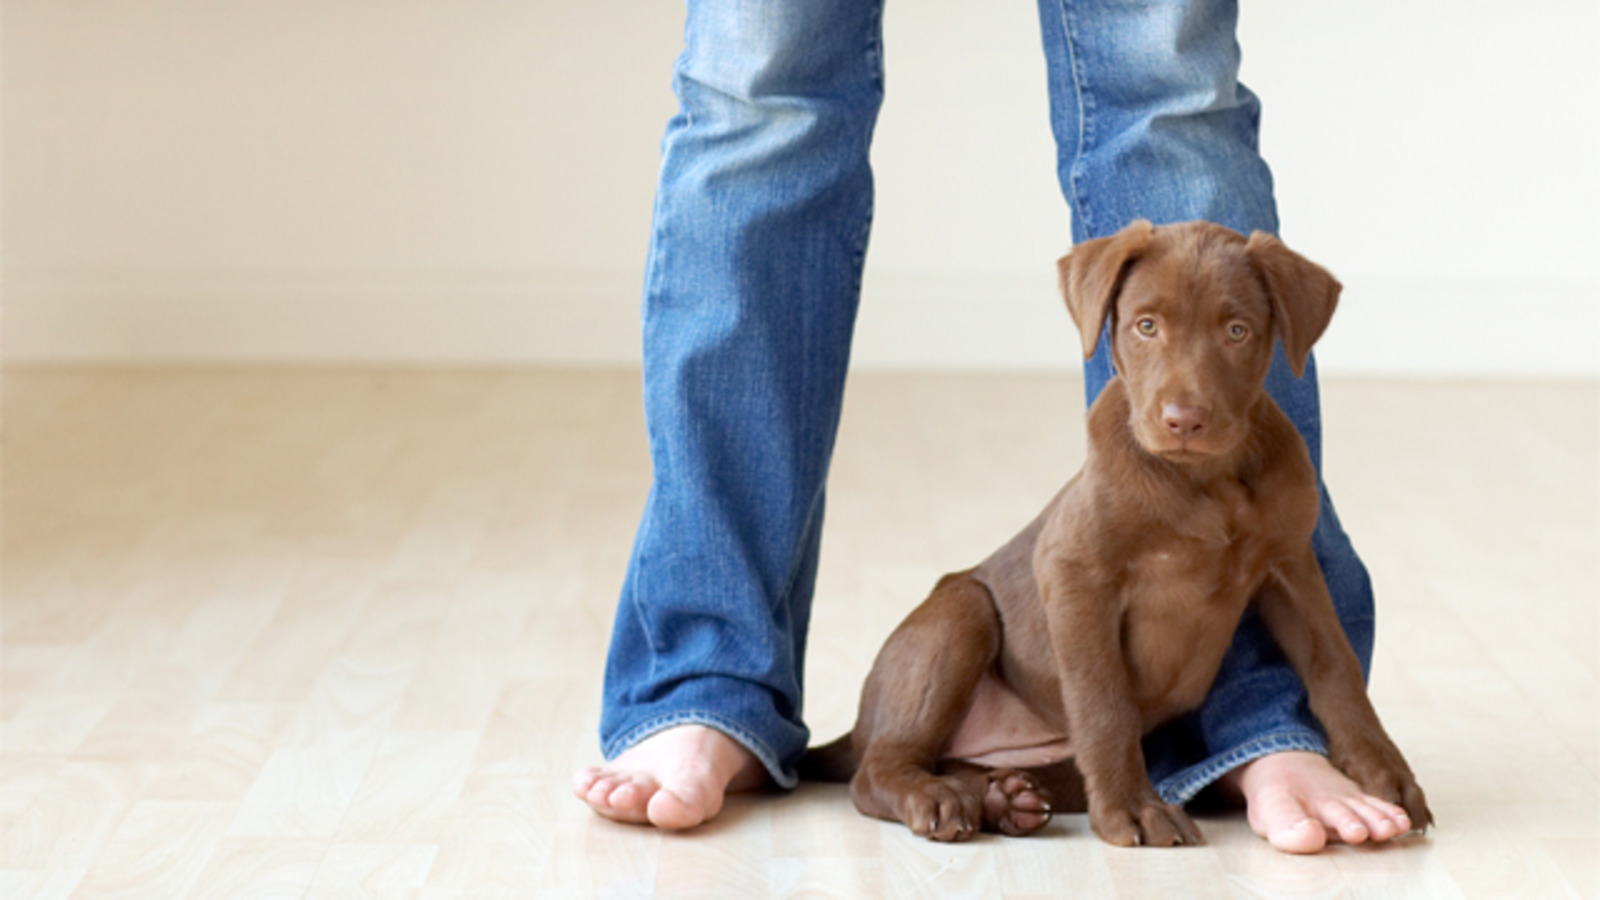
(1238, 331)
(1146, 326)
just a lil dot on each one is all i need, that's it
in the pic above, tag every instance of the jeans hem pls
(1186, 785)
(784, 778)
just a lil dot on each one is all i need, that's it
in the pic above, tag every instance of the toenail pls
(1302, 824)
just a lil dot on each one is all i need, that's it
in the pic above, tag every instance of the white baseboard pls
(960, 322)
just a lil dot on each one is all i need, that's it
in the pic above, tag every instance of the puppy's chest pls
(1214, 548)
(1182, 591)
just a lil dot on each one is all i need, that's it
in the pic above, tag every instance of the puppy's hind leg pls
(920, 688)
(1016, 802)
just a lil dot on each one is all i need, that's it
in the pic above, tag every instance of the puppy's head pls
(1193, 311)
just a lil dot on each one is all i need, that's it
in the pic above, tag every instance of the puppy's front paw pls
(1382, 772)
(1401, 788)
(1144, 822)
(1416, 806)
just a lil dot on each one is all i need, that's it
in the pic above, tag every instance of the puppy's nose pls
(1184, 422)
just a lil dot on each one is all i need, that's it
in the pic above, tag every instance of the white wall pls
(470, 181)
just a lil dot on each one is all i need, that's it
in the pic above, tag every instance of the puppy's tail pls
(835, 762)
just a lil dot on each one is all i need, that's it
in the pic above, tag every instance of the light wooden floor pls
(274, 634)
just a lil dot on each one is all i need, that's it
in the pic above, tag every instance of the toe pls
(1157, 828)
(1303, 836)
(583, 781)
(1395, 814)
(956, 818)
(669, 811)
(1384, 821)
(599, 793)
(621, 800)
(1279, 817)
(685, 801)
(1343, 820)
(628, 798)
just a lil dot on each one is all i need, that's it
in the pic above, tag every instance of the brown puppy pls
(1025, 684)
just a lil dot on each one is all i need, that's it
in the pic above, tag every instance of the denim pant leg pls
(1151, 122)
(752, 283)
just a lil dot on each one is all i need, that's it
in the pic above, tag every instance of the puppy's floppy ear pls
(1302, 293)
(1092, 274)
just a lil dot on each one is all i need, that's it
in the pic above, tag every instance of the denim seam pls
(875, 45)
(858, 242)
(875, 58)
(1085, 123)
(858, 250)
(1185, 785)
(749, 741)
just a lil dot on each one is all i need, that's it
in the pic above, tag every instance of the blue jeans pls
(752, 284)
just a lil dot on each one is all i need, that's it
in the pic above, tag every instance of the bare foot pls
(1299, 802)
(672, 779)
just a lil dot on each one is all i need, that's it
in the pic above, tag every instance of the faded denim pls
(752, 283)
